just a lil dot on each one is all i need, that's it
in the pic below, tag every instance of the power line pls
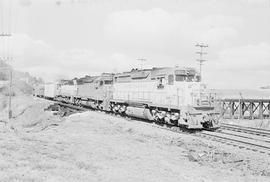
(201, 53)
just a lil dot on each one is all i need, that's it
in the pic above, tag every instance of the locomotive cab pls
(172, 95)
(185, 92)
(198, 108)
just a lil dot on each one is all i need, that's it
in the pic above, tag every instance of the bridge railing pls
(245, 108)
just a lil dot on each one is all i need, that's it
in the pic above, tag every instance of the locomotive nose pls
(210, 121)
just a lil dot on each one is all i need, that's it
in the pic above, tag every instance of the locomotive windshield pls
(180, 78)
(187, 78)
(108, 82)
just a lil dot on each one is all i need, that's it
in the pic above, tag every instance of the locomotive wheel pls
(159, 122)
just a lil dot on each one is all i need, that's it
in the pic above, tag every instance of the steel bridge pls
(245, 108)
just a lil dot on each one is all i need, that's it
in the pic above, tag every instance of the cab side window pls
(198, 78)
(107, 82)
(160, 81)
(170, 79)
(100, 83)
(96, 84)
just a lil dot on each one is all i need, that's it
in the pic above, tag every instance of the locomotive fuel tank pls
(137, 112)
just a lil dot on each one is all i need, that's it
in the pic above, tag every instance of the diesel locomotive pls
(167, 95)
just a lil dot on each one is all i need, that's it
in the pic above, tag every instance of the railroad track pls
(232, 139)
(237, 141)
(249, 130)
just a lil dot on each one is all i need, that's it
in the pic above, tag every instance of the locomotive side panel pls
(149, 93)
(68, 90)
(91, 91)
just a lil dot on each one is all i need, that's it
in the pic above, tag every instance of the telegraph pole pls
(10, 90)
(142, 60)
(10, 95)
(201, 53)
(3, 35)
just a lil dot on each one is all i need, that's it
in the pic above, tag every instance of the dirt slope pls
(92, 146)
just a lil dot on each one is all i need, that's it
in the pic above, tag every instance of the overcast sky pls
(63, 39)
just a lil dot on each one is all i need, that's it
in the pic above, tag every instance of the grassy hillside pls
(22, 82)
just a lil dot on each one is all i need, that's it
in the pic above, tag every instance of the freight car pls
(50, 90)
(168, 95)
(39, 91)
(66, 91)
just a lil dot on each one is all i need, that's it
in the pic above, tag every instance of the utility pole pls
(9, 92)
(10, 95)
(201, 53)
(142, 60)
(3, 35)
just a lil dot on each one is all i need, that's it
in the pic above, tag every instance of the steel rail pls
(234, 140)
(246, 127)
(253, 131)
(247, 137)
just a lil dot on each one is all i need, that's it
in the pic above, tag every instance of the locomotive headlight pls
(185, 116)
(175, 116)
(205, 118)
